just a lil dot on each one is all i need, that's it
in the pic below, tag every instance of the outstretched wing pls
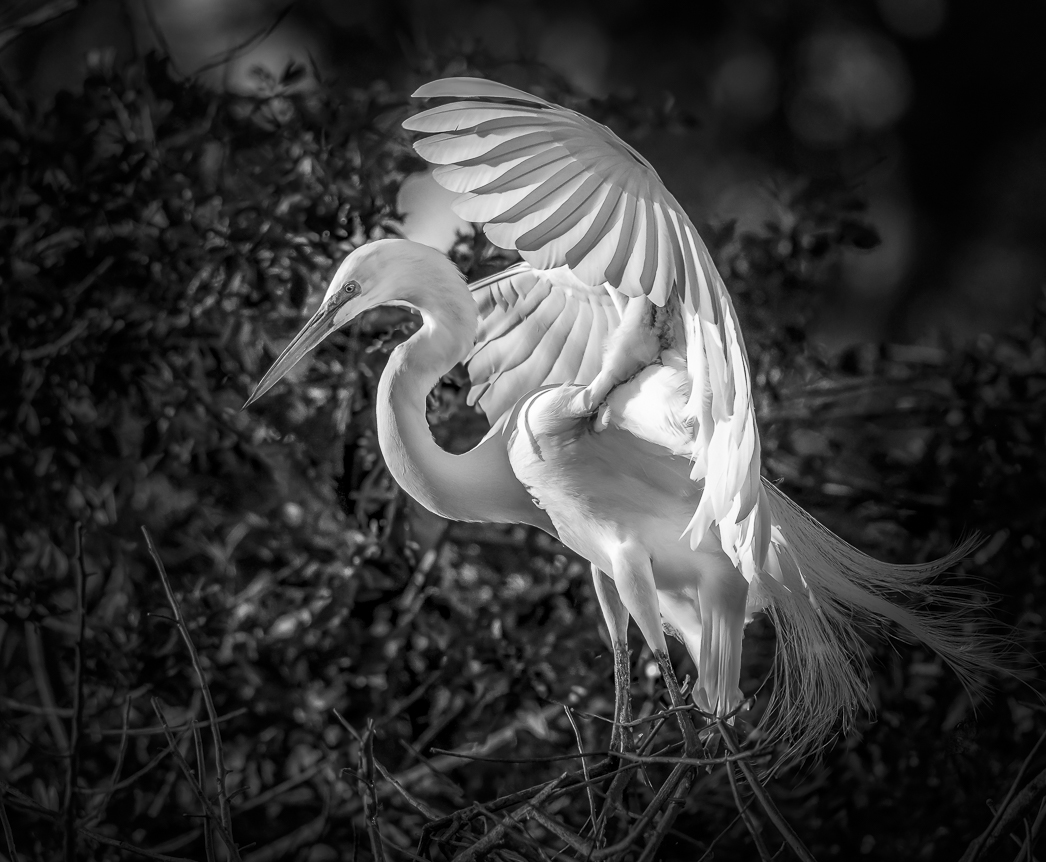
(565, 191)
(536, 328)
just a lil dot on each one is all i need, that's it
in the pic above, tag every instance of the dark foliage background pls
(160, 243)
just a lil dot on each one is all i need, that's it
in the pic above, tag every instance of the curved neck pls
(476, 486)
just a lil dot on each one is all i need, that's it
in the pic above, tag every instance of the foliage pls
(160, 244)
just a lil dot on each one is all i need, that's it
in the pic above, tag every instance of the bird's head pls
(384, 272)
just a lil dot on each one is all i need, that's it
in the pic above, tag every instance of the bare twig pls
(72, 764)
(33, 709)
(496, 835)
(201, 766)
(212, 713)
(195, 784)
(132, 779)
(37, 17)
(130, 848)
(285, 847)
(1012, 812)
(584, 763)
(746, 816)
(283, 787)
(9, 838)
(369, 794)
(107, 792)
(675, 805)
(59, 344)
(791, 839)
(412, 800)
(711, 847)
(700, 762)
(982, 842)
(177, 728)
(450, 759)
(35, 653)
(1033, 830)
(640, 824)
(30, 806)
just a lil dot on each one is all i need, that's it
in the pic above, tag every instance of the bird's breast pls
(613, 477)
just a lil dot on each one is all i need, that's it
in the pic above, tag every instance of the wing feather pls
(461, 115)
(514, 148)
(599, 225)
(467, 179)
(535, 328)
(624, 242)
(542, 195)
(473, 88)
(567, 216)
(595, 224)
(453, 149)
(529, 172)
(572, 351)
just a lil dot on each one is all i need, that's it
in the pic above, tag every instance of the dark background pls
(932, 110)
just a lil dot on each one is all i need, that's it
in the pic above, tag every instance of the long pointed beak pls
(320, 325)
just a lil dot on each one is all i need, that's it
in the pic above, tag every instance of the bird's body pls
(623, 502)
(611, 367)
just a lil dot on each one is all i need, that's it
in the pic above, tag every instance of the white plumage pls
(612, 369)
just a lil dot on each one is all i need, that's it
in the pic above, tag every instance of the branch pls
(765, 801)
(212, 713)
(35, 18)
(195, 784)
(72, 771)
(1012, 808)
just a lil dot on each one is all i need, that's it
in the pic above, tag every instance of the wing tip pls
(467, 87)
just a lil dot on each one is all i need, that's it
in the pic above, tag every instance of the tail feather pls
(824, 593)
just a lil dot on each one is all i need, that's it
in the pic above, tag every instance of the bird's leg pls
(616, 616)
(679, 701)
(622, 699)
(634, 579)
(635, 344)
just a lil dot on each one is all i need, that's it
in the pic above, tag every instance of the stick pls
(31, 20)
(107, 793)
(194, 784)
(212, 713)
(746, 816)
(1014, 810)
(72, 766)
(369, 794)
(9, 837)
(201, 765)
(978, 846)
(793, 840)
(35, 653)
(584, 763)
(27, 804)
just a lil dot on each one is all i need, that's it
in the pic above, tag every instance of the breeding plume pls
(611, 367)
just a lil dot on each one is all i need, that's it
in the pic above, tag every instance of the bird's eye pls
(350, 288)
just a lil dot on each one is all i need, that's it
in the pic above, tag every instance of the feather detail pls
(822, 594)
(574, 199)
(536, 328)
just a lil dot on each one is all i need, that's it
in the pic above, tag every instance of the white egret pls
(611, 366)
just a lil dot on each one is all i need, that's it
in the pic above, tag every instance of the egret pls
(612, 369)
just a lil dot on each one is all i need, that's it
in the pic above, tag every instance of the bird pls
(611, 366)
